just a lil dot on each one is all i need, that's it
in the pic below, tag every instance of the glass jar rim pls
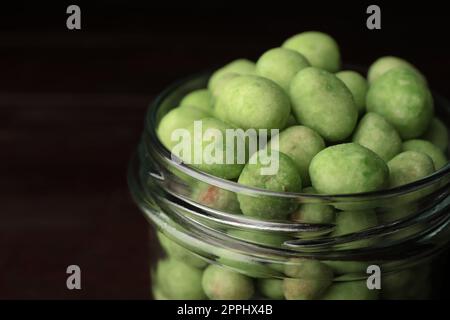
(151, 129)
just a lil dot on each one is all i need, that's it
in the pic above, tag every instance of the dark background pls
(72, 105)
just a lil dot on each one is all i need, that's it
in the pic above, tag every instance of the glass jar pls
(210, 250)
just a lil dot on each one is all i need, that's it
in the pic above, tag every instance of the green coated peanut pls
(323, 103)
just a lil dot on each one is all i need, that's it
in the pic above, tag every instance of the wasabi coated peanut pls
(429, 149)
(222, 284)
(313, 212)
(409, 166)
(384, 64)
(179, 281)
(350, 290)
(437, 134)
(178, 118)
(322, 102)
(376, 134)
(271, 288)
(200, 99)
(286, 179)
(220, 168)
(348, 222)
(309, 279)
(247, 266)
(239, 66)
(353, 221)
(304, 289)
(177, 252)
(320, 49)
(348, 168)
(404, 100)
(280, 65)
(301, 144)
(253, 102)
(221, 83)
(215, 197)
(357, 85)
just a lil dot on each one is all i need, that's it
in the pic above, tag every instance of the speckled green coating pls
(357, 85)
(280, 65)
(200, 99)
(301, 144)
(376, 134)
(223, 284)
(215, 197)
(222, 170)
(239, 66)
(221, 83)
(179, 281)
(437, 134)
(322, 102)
(247, 266)
(309, 279)
(271, 288)
(177, 252)
(350, 290)
(286, 179)
(348, 168)
(177, 118)
(429, 149)
(304, 289)
(320, 49)
(403, 99)
(253, 102)
(384, 64)
(313, 212)
(409, 166)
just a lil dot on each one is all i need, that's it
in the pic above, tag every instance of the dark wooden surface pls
(71, 112)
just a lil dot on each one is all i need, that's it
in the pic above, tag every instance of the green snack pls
(239, 66)
(280, 65)
(313, 212)
(286, 179)
(208, 163)
(222, 284)
(404, 100)
(302, 268)
(350, 290)
(179, 281)
(322, 102)
(221, 83)
(357, 85)
(348, 168)
(215, 197)
(384, 64)
(437, 134)
(200, 99)
(253, 102)
(177, 252)
(301, 144)
(429, 149)
(354, 221)
(304, 289)
(376, 134)
(271, 288)
(320, 49)
(178, 118)
(409, 166)
(247, 266)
